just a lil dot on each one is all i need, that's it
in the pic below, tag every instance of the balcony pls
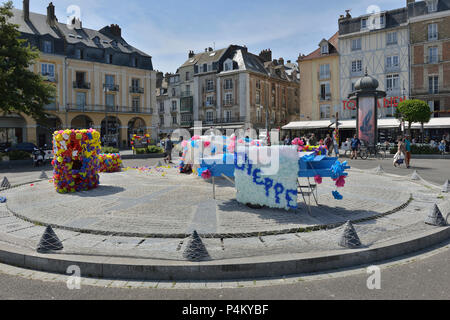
(162, 111)
(186, 123)
(228, 103)
(136, 90)
(81, 85)
(186, 94)
(325, 97)
(391, 68)
(49, 77)
(111, 87)
(433, 59)
(219, 121)
(210, 104)
(209, 89)
(186, 109)
(324, 75)
(108, 109)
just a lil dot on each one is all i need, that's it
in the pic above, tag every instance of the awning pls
(299, 125)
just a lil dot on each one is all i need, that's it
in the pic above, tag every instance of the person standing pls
(336, 142)
(329, 144)
(355, 144)
(401, 153)
(168, 148)
(312, 140)
(408, 151)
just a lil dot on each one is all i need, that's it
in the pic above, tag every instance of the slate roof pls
(38, 26)
(419, 8)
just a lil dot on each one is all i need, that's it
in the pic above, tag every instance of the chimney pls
(210, 49)
(115, 30)
(281, 62)
(191, 54)
(51, 17)
(289, 61)
(348, 15)
(26, 10)
(266, 55)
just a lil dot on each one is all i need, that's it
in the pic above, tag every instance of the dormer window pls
(432, 5)
(364, 23)
(47, 47)
(228, 65)
(79, 54)
(109, 58)
(324, 49)
(134, 62)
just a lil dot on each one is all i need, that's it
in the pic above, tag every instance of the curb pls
(258, 267)
(143, 156)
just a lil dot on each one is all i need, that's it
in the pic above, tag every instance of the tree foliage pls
(414, 111)
(21, 90)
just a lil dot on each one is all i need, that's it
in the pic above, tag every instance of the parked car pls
(24, 146)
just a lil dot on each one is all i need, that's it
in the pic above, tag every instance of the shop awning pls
(299, 125)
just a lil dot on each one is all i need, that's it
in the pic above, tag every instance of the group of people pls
(403, 154)
(330, 142)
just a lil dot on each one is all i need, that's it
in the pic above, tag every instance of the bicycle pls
(377, 152)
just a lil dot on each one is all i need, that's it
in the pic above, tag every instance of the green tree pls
(21, 90)
(413, 111)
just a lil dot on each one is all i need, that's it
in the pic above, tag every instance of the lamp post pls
(366, 96)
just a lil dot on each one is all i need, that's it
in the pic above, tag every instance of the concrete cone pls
(435, 217)
(5, 183)
(349, 238)
(446, 187)
(379, 170)
(415, 176)
(49, 241)
(195, 249)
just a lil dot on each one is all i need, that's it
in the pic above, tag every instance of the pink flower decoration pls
(340, 183)
(318, 179)
(184, 143)
(206, 144)
(231, 147)
(241, 141)
(234, 137)
(206, 174)
(196, 138)
(253, 143)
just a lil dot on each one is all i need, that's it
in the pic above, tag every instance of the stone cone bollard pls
(349, 238)
(415, 176)
(435, 217)
(43, 175)
(5, 183)
(379, 170)
(446, 187)
(159, 164)
(195, 249)
(49, 241)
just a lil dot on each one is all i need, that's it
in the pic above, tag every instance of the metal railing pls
(136, 89)
(49, 77)
(111, 87)
(433, 59)
(185, 94)
(81, 85)
(107, 109)
(325, 97)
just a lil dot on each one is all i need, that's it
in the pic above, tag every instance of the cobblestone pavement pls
(173, 203)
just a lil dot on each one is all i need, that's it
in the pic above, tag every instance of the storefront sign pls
(387, 102)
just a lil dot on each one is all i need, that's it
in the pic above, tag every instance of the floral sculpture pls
(110, 162)
(76, 165)
(139, 140)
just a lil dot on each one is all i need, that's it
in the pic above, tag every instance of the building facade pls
(231, 87)
(430, 54)
(379, 45)
(320, 95)
(167, 116)
(102, 82)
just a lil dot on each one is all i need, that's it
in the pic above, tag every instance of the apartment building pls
(232, 87)
(379, 44)
(167, 116)
(429, 23)
(320, 95)
(102, 82)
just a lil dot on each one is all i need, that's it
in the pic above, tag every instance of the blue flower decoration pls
(337, 195)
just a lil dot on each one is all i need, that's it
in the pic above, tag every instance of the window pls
(81, 100)
(325, 112)
(209, 85)
(392, 62)
(258, 98)
(382, 20)
(109, 82)
(273, 101)
(432, 31)
(433, 55)
(258, 115)
(325, 93)
(228, 84)
(174, 92)
(174, 106)
(109, 58)
(209, 67)
(228, 99)
(364, 23)
(324, 49)
(48, 69)
(110, 100)
(227, 115)
(134, 62)
(161, 121)
(356, 66)
(209, 116)
(47, 47)
(136, 104)
(356, 44)
(210, 101)
(188, 76)
(188, 89)
(161, 107)
(433, 85)
(432, 6)
(174, 120)
(228, 65)
(392, 82)
(391, 38)
(258, 84)
(79, 54)
(324, 71)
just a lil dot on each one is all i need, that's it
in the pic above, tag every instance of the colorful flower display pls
(110, 162)
(76, 164)
(139, 141)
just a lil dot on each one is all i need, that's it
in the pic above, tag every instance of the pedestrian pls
(399, 157)
(355, 144)
(329, 144)
(168, 148)
(336, 143)
(407, 143)
(312, 140)
(442, 147)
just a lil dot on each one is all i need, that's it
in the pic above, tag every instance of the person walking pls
(407, 143)
(355, 145)
(401, 152)
(312, 140)
(168, 145)
(329, 144)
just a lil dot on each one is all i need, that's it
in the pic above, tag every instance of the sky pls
(168, 29)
